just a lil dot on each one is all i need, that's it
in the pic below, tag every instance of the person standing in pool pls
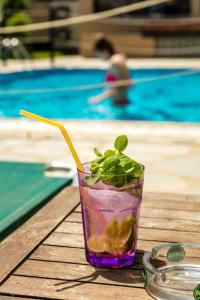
(117, 71)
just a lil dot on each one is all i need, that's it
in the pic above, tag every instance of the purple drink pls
(110, 220)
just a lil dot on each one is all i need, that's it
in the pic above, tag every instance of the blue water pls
(171, 99)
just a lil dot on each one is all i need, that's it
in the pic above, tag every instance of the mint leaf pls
(115, 180)
(91, 180)
(137, 168)
(94, 167)
(110, 161)
(99, 172)
(121, 143)
(96, 151)
(120, 181)
(117, 153)
(126, 163)
(114, 167)
(100, 159)
(107, 179)
(130, 170)
(109, 152)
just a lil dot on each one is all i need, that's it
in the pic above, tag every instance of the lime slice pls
(112, 230)
(97, 244)
(125, 229)
(117, 235)
(117, 238)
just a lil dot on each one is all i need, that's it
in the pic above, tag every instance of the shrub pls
(13, 11)
(20, 18)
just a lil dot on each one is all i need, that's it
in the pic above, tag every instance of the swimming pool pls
(171, 99)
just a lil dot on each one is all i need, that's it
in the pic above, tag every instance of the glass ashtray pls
(172, 271)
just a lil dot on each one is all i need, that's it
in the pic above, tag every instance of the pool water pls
(171, 99)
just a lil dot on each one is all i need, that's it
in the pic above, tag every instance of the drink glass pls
(110, 218)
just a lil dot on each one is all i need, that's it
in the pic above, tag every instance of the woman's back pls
(116, 72)
(119, 71)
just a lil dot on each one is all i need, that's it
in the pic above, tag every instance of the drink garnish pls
(117, 239)
(111, 166)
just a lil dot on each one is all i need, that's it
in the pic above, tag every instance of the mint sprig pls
(114, 167)
(121, 143)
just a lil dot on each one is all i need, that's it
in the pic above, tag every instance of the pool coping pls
(177, 131)
(79, 62)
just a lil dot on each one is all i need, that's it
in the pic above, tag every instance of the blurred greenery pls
(20, 18)
(14, 12)
(44, 54)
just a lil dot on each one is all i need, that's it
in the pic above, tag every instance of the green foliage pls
(121, 142)
(14, 12)
(44, 54)
(113, 167)
(97, 152)
(21, 18)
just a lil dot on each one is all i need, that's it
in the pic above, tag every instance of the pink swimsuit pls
(112, 78)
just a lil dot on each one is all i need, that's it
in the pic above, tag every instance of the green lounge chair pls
(24, 188)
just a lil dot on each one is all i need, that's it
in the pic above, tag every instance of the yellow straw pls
(64, 133)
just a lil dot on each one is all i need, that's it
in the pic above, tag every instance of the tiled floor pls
(170, 152)
(81, 62)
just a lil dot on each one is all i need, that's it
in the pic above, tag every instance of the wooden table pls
(44, 258)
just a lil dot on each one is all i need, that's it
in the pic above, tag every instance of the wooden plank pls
(65, 240)
(143, 233)
(150, 197)
(74, 240)
(173, 205)
(63, 289)
(61, 272)
(83, 273)
(74, 217)
(159, 223)
(170, 197)
(169, 201)
(167, 213)
(168, 235)
(77, 256)
(19, 244)
(67, 227)
(170, 214)
(171, 224)
(165, 225)
(18, 298)
(68, 255)
(60, 254)
(143, 246)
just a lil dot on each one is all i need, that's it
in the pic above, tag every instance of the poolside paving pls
(169, 151)
(76, 61)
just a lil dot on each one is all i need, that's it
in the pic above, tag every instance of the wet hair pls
(104, 44)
